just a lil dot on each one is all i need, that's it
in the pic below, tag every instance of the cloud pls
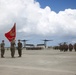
(31, 19)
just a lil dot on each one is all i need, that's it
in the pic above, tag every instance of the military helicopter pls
(45, 42)
(25, 45)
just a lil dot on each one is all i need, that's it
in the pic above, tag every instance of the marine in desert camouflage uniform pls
(2, 49)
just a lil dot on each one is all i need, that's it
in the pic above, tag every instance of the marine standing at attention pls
(19, 48)
(12, 48)
(2, 49)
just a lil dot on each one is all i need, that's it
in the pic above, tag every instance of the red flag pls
(11, 34)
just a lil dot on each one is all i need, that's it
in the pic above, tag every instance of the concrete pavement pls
(39, 62)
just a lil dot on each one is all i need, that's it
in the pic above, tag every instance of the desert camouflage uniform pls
(19, 48)
(2, 49)
(12, 48)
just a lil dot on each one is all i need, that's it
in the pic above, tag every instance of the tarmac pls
(39, 62)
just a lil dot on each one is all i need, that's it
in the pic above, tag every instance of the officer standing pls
(2, 49)
(75, 47)
(65, 47)
(70, 47)
(19, 48)
(12, 48)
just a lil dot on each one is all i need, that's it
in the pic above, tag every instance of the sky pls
(37, 20)
(58, 5)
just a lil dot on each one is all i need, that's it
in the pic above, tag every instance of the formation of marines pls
(12, 48)
(65, 47)
(62, 47)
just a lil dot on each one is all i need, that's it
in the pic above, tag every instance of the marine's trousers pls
(12, 52)
(20, 52)
(2, 53)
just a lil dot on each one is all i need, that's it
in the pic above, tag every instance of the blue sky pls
(37, 20)
(58, 5)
